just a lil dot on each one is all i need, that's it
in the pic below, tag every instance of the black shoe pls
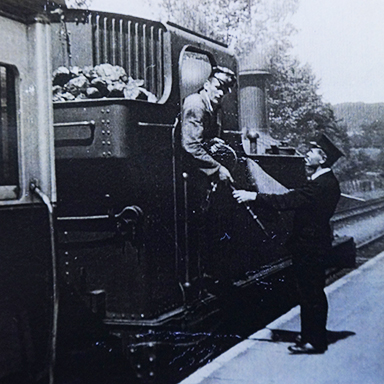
(306, 348)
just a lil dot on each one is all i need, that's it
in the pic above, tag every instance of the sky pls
(342, 41)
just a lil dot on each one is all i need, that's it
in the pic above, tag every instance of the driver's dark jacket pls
(313, 204)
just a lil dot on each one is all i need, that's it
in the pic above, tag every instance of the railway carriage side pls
(27, 158)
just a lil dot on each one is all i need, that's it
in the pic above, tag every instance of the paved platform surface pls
(355, 333)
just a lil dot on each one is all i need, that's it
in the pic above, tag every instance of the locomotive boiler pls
(95, 199)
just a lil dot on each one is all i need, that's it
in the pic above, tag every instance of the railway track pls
(364, 222)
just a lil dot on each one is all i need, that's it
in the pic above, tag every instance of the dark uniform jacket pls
(314, 204)
(199, 125)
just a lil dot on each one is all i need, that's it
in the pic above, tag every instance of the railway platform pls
(355, 335)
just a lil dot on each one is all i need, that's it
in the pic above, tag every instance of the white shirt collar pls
(319, 172)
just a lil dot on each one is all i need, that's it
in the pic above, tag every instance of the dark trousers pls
(310, 277)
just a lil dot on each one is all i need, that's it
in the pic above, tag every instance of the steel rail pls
(364, 208)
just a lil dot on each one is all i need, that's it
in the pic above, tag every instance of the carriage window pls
(8, 135)
(195, 70)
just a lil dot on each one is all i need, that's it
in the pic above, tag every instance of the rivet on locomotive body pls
(102, 111)
(108, 121)
(103, 132)
(142, 315)
(151, 374)
(109, 153)
(103, 142)
(102, 121)
(108, 142)
(108, 132)
(105, 154)
(108, 110)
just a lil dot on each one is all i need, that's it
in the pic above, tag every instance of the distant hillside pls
(356, 114)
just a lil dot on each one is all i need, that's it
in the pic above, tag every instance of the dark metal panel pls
(25, 287)
(90, 130)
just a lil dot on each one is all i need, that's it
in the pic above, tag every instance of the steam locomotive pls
(95, 209)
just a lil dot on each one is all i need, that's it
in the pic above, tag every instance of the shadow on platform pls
(280, 335)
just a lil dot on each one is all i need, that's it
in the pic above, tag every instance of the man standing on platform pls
(311, 240)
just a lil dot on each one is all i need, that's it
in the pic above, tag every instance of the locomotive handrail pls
(135, 209)
(232, 132)
(34, 187)
(63, 142)
(90, 123)
(145, 124)
(79, 218)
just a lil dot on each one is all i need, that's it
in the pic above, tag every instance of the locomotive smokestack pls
(253, 104)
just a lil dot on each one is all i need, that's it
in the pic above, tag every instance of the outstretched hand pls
(243, 196)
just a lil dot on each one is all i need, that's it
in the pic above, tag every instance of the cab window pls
(8, 134)
(195, 69)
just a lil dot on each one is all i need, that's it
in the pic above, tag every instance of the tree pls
(374, 133)
(297, 112)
